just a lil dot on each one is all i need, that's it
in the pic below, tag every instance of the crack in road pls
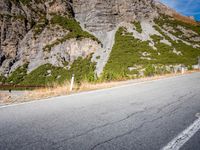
(144, 123)
(128, 117)
(105, 125)
(180, 98)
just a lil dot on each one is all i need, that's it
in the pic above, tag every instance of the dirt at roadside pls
(7, 97)
(4, 98)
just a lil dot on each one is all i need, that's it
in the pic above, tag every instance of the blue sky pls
(186, 7)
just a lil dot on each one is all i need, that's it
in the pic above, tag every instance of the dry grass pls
(58, 90)
(46, 92)
(5, 98)
(184, 19)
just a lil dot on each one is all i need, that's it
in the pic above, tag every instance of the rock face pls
(105, 15)
(32, 50)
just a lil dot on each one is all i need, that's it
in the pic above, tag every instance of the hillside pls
(46, 41)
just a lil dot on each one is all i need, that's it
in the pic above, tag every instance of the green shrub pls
(98, 57)
(2, 79)
(161, 69)
(156, 38)
(137, 26)
(83, 69)
(47, 74)
(190, 67)
(18, 75)
(149, 70)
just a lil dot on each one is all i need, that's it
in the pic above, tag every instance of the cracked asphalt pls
(145, 116)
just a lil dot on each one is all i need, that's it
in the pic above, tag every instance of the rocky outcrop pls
(105, 15)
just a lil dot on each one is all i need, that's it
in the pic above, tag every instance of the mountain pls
(43, 41)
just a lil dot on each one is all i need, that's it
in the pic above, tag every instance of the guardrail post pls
(182, 70)
(72, 83)
(175, 70)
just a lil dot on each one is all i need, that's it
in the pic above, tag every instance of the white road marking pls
(183, 137)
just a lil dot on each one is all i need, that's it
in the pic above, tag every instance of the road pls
(153, 115)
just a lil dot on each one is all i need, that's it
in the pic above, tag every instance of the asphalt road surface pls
(162, 114)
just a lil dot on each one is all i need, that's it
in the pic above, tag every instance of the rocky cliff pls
(105, 15)
(58, 32)
(28, 34)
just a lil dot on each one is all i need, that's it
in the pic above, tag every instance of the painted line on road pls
(184, 136)
(94, 91)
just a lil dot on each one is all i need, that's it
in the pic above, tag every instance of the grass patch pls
(137, 26)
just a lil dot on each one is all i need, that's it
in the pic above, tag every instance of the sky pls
(185, 7)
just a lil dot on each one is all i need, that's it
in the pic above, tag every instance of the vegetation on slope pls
(175, 24)
(189, 53)
(75, 30)
(47, 74)
(129, 52)
(126, 53)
